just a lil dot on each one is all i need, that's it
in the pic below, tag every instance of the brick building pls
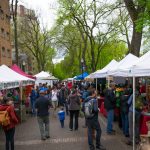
(26, 60)
(5, 41)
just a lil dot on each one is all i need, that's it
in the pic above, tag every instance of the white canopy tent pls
(125, 63)
(44, 77)
(103, 72)
(11, 79)
(138, 69)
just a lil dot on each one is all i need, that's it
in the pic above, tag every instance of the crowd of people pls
(74, 99)
(69, 100)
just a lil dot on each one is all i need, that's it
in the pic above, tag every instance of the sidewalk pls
(27, 137)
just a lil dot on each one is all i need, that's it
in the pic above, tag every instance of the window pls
(7, 35)
(8, 17)
(1, 14)
(3, 52)
(8, 53)
(2, 32)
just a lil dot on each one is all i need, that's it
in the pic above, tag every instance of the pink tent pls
(18, 70)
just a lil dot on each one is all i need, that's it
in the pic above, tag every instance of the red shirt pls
(13, 119)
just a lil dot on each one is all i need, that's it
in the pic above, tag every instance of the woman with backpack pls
(12, 121)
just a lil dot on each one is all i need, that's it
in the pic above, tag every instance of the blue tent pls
(82, 76)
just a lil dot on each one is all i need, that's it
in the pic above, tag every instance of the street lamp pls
(82, 61)
(23, 64)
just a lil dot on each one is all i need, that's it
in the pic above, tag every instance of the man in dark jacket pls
(109, 104)
(92, 122)
(64, 93)
(42, 105)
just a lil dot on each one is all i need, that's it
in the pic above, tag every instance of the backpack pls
(85, 95)
(88, 109)
(4, 118)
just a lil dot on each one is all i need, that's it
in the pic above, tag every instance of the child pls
(61, 115)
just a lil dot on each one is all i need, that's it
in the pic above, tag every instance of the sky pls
(48, 12)
(46, 8)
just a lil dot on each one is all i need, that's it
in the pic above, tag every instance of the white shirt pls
(54, 95)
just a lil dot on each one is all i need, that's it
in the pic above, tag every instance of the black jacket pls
(110, 100)
(124, 104)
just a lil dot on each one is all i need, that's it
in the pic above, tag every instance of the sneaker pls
(71, 129)
(47, 137)
(129, 143)
(100, 148)
(43, 139)
(111, 133)
(113, 130)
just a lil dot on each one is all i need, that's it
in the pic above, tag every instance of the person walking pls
(42, 106)
(74, 107)
(54, 99)
(109, 104)
(7, 105)
(33, 97)
(90, 108)
(63, 98)
(61, 115)
(124, 112)
(85, 94)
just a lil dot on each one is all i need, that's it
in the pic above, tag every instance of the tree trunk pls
(135, 42)
(14, 16)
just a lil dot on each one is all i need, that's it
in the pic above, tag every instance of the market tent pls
(18, 70)
(103, 72)
(45, 77)
(125, 63)
(139, 68)
(10, 78)
(42, 75)
(81, 76)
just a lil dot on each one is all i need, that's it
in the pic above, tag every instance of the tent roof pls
(8, 74)
(126, 62)
(140, 68)
(101, 73)
(51, 78)
(42, 74)
(18, 70)
(82, 76)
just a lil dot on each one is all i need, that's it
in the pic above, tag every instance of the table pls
(100, 100)
(103, 110)
(143, 126)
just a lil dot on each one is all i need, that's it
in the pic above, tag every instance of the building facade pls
(26, 60)
(5, 36)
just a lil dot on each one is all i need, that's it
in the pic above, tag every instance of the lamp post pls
(82, 61)
(23, 64)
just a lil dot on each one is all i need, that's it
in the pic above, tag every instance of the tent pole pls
(108, 81)
(96, 86)
(21, 101)
(133, 112)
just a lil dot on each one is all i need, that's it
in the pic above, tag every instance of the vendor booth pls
(18, 70)
(45, 78)
(13, 84)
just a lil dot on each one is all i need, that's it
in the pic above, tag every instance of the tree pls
(14, 4)
(36, 40)
(88, 18)
(135, 9)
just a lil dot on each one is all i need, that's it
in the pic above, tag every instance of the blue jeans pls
(93, 124)
(125, 123)
(33, 106)
(110, 119)
(62, 123)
